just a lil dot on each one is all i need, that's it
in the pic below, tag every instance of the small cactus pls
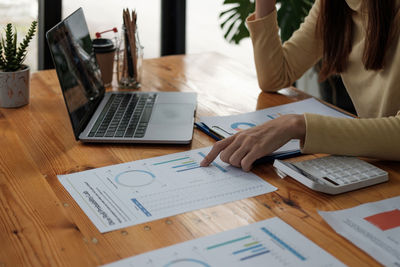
(11, 55)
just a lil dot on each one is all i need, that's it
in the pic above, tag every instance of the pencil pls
(135, 56)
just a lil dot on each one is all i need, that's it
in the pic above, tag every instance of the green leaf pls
(21, 54)
(227, 11)
(234, 18)
(290, 15)
(231, 17)
(11, 55)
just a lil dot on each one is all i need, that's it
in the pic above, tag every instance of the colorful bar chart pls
(241, 247)
(172, 160)
(214, 163)
(254, 255)
(228, 242)
(135, 192)
(245, 248)
(180, 164)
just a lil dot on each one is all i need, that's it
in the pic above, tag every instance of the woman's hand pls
(264, 7)
(243, 148)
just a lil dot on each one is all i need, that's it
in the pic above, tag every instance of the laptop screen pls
(78, 72)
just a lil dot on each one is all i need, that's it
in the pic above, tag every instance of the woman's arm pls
(375, 138)
(278, 65)
(264, 7)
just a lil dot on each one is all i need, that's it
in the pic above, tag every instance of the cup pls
(105, 50)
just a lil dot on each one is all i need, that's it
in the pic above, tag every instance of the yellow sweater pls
(375, 94)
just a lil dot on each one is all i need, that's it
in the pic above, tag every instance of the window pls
(21, 13)
(102, 15)
(204, 34)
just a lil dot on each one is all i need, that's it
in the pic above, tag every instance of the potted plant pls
(14, 75)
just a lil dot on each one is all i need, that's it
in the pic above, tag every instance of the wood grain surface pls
(41, 225)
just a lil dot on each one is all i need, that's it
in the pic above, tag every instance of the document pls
(226, 126)
(270, 242)
(136, 192)
(374, 227)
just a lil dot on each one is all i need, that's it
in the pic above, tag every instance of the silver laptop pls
(123, 117)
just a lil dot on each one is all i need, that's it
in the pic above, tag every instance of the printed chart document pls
(374, 227)
(226, 126)
(145, 190)
(267, 243)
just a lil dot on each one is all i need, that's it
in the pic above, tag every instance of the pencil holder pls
(129, 60)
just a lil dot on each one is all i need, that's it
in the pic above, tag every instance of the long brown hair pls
(335, 27)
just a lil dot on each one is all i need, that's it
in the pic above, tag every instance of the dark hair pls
(335, 27)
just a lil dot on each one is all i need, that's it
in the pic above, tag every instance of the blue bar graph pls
(254, 255)
(229, 242)
(247, 249)
(184, 165)
(169, 161)
(214, 163)
(140, 206)
(285, 245)
(258, 250)
(188, 169)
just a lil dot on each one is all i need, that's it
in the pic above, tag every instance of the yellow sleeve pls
(279, 66)
(375, 138)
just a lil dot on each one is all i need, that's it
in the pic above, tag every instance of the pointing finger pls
(216, 149)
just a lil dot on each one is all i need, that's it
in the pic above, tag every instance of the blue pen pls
(202, 127)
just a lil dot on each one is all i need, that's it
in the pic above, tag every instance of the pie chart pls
(135, 178)
(239, 126)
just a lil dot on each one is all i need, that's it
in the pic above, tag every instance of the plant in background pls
(291, 14)
(11, 55)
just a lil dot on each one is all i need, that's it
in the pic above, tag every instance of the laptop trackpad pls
(172, 114)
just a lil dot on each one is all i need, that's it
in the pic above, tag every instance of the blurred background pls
(203, 30)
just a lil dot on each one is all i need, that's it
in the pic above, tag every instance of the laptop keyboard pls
(124, 116)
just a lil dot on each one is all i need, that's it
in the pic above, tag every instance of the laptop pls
(122, 117)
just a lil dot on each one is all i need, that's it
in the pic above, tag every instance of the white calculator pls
(332, 174)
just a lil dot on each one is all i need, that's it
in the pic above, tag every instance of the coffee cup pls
(105, 50)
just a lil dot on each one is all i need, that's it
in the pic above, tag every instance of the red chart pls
(385, 220)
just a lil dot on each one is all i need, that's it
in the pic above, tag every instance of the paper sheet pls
(374, 227)
(145, 190)
(270, 242)
(229, 125)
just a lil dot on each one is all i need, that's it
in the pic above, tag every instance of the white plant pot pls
(14, 88)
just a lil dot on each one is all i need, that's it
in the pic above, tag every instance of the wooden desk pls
(41, 225)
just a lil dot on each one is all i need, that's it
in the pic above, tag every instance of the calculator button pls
(342, 170)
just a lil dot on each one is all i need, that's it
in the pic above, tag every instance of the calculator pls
(332, 174)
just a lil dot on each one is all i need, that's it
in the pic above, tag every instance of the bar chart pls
(271, 242)
(140, 191)
(243, 248)
(184, 164)
(180, 164)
